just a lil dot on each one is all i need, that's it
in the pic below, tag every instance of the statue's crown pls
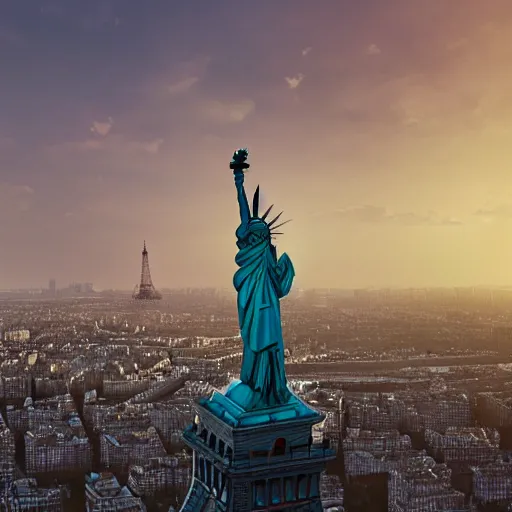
(255, 216)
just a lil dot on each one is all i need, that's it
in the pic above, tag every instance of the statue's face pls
(259, 229)
(253, 233)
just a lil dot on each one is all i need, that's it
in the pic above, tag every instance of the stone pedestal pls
(254, 460)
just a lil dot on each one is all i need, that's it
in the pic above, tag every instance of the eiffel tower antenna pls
(146, 290)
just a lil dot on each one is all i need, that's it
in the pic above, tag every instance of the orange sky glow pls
(381, 128)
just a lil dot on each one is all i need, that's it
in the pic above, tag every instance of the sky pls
(381, 128)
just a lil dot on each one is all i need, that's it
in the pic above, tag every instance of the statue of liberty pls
(256, 423)
(261, 281)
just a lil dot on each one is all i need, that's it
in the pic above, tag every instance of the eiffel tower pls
(146, 290)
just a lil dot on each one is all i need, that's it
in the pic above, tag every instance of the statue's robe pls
(260, 282)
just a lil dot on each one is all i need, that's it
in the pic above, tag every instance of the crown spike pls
(267, 212)
(275, 219)
(256, 202)
(282, 224)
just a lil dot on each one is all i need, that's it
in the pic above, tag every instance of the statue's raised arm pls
(239, 164)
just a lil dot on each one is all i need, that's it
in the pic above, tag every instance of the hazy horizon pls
(381, 129)
(229, 287)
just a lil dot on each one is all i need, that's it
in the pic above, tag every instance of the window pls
(208, 474)
(302, 487)
(216, 478)
(222, 447)
(289, 489)
(197, 464)
(212, 443)
(313, 488)
(259, 493)
(229, 452)
(204, 435)
(279, 446)
(202, 468)
(275, 491)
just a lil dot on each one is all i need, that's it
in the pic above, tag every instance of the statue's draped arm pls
(245, 213)
(286, 273)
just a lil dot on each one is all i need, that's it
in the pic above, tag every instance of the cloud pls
(295, 81)
(152, 147)
(75, 146)
(178, 80)
(502, 212)
(432, 92)
(306, 51)
(381, 215)
(451, 221)
(410, 100)
(15, 198)
(102, 128)
(373, 49)
(183, 85)
(228, 112)
(118, 144)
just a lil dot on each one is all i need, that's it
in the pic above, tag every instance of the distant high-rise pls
(88, 287)
(52, 287)
(146, 290)
(79, 288)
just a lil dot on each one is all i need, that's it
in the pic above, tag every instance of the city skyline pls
(380, 130)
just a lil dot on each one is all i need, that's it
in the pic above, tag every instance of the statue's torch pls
(238, 162)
